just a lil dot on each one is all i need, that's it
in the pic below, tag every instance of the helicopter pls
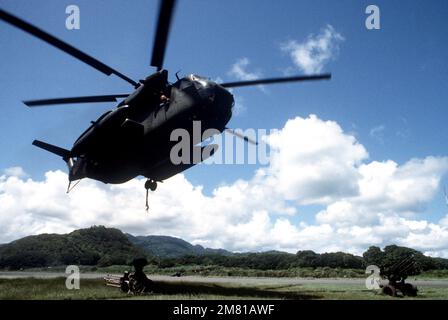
(133, 139)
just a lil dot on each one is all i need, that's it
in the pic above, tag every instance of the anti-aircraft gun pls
(132, 283)
(396, 272)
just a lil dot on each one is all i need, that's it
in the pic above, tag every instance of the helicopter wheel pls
(151, 185)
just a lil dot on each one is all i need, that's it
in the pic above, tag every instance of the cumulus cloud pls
(239, 70)
(313, 161)
(388, 189)
(314, 53)
(16, 172)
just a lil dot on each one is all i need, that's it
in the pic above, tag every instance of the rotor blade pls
(25, 26)
(163, 29)
(326, 76)
(241, 136)
(86, 99)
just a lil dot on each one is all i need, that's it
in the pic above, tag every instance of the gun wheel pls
(410, 290)
(389, 290)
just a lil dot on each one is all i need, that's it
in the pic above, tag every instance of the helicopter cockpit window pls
(191, 80)
(199, 80)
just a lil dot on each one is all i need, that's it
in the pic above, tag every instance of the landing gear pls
(149, 185)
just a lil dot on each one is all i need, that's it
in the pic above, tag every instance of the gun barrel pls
(113, 281)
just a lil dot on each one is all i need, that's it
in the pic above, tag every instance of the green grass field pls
(54, 289)
(218, 271)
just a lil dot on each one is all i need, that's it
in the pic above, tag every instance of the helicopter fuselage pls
(134, 138)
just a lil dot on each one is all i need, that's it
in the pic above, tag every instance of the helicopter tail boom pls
(64, 153)
(76, 168)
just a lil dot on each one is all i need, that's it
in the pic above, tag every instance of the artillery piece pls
(396, 274)
(132, 283)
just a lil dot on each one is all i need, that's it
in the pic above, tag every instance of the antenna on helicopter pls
(70, 187)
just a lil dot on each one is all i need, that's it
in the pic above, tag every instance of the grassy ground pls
(218, 271)
(357, 292)
(31, 288)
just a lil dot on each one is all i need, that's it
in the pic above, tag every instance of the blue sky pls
(389, 86)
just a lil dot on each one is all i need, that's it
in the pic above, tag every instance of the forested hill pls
(171, 247)
(93, 246)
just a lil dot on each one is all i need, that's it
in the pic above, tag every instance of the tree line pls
(274, 260)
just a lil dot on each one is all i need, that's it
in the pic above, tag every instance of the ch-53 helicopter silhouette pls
(134, 138)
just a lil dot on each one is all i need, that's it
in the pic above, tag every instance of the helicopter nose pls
(216, 96)
(217, 102)
(223, 103)
(223, 98)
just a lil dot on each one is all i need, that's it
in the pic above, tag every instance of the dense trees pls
(271, 260)
(410, 261)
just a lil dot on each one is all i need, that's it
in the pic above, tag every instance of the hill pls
(93, 246)
(171, 247)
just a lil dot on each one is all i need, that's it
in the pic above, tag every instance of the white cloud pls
(313, 54)
(239, 70)
(388, 189)
(313, 162)
(16, 172)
